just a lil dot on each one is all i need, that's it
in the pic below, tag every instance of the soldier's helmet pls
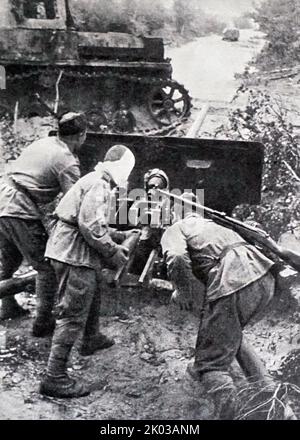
(156, 178)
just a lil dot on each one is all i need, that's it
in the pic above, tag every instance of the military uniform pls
(237, 285)
(151, 235)
(80, 243)
(44, 169)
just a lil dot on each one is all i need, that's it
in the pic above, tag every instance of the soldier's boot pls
(93, 340)
(56, 382)
(219, 385)
(46, 286)
(63, 387)
(10, 309)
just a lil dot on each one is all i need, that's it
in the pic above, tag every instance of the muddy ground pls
(143, 375)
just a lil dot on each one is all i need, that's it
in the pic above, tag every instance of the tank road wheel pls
(168, 103)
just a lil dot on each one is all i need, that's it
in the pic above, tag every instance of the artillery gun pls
(229, 172)
(122, 82)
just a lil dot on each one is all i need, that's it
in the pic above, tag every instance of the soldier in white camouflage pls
(80, 245)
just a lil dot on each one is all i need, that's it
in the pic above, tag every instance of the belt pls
(228, 248)
(67, 222)
(11, 181)
(203, 275)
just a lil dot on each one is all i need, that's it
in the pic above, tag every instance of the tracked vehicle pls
(122, 82)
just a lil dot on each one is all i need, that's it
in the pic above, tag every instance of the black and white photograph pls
(149, 213)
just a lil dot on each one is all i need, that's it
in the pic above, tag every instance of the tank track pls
(155, 83)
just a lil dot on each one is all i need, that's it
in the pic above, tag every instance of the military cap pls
(71, 123)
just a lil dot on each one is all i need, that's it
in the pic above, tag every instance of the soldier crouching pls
(237, 285)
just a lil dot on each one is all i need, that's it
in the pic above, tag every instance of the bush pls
(266, 120)
(147, 17)
(279, 20)
(11, 145)
(243, 22)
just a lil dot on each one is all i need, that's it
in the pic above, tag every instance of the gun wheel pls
(168, 103)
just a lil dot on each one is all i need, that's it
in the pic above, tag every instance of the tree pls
(279, 20)
(265, 119)
(190, 19)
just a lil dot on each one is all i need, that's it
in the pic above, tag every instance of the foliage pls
(243, 21)
(190, 18)
(11, 145)
(279, 20)
(266, 120)
(259, 401)
(147, 17)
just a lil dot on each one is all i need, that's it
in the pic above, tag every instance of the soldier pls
(238, 285)
(123, 120)
(43, 170)
(150, 237)
(80, 244)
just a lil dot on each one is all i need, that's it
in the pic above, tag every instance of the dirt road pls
(207, 66)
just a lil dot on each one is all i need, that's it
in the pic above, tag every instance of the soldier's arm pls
(66, 168)
(68, 176)
(116, 236)
(120, 236)
(288, 255)
(291, 256)
(190, 291)
(173, 245)
(92, 221)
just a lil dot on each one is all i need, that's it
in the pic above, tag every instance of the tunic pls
(45, 168)
(82, 236)
(202, 241)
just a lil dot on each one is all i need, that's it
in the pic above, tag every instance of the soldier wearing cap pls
(43, 170)
(79, 244)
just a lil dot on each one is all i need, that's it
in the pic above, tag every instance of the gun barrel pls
(247, 232)
(215, 215)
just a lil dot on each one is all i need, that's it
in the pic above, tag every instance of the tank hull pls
(121, 81)
(110, 76)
